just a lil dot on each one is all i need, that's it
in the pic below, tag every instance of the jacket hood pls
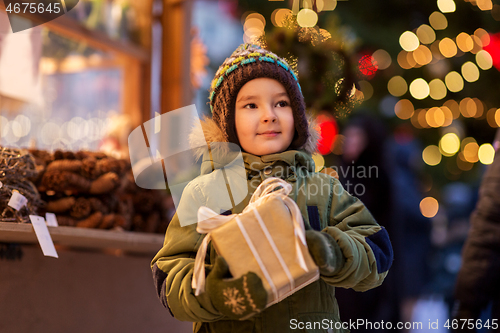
(207, 131)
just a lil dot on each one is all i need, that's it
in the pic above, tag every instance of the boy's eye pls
(250, 106)
(282, 104)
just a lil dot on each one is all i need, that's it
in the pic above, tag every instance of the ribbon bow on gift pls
(208, 220)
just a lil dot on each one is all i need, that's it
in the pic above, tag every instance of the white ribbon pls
(209, 220)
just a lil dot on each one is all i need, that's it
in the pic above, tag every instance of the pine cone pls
(81, 209)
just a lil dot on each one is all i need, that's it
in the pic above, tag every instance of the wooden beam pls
(176, 82)
(132, 242)
(68, 27)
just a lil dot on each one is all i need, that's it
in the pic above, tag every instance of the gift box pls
(267, 238)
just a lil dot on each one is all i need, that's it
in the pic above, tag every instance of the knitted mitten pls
(325, 252)
(235, 298)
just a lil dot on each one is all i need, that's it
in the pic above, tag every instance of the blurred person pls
(477, 285)
(364, 173)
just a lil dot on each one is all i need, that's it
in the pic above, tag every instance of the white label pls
(17, 200)
(43, 235)
(51, 220)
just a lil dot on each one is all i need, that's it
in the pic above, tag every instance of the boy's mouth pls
(269, 133)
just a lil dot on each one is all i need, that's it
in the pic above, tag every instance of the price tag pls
(51, 220)
(43, 235)
(17, 200)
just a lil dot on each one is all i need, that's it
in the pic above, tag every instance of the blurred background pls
(405, 94)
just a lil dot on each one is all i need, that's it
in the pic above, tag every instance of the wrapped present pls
(267, 238)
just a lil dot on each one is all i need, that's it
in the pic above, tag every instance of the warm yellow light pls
(421, 118)
(486, 153)
(404, 109)
(437, 89)
(447, 47)
(492, 116)
(454, 82)
(419, 89)
(408, 41)
(254, 23)
(465, 42)
(383, 58)
(449, 144)
(429, 207)
(431, 155)
(446, 6)
(422, 55)
(307, 18)
(483, 36)
(324, 5)
(484, 4)
(484, 60)
(366, 89)
(471, 152)
(279, 15)
(470, 72)
(448, 116)
(453, 106)
(402, 60)
(319, 161)
(426, 34)
(479, 107)
(439, 117)
(438, 21)
(397, 86)
(468, 107)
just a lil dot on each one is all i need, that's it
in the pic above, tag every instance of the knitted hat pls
(249, 62)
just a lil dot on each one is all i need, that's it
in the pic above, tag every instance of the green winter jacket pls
(325, 206)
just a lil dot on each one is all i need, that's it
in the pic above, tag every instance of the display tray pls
(127, 241)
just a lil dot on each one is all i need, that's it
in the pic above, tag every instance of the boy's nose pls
(268, 115)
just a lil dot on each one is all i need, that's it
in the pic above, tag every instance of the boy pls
(257, 103)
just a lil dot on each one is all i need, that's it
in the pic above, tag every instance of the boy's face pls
(264, 117)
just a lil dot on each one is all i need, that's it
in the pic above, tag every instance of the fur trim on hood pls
(207, 131)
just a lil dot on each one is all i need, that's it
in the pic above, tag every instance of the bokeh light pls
(492, 116)
(449, 144)
(403, 60)
(429, 207)
(462, 162)
(397, 86)
(422, 55)
(435, 117)
(319, 161)
(454, 81)
(404, 109)
(465, 42)
(468, 107)
(383, 58)
(446, 6)
(21, 126)
(419, 89)
(279, 15)
(307, 18)
(486, 153)
(4, 126)
(366, 89)
(322, 5)
(470, 152)
(447, 47)
(438, 21)
(484, 60)
(426, 34)
(437, 89)
(454, 107)
(431, 155)
(484, 4)
(408, 41)
(49, 133)
(470, 72)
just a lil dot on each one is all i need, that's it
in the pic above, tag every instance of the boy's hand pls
(325, 252)
(235, 298)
